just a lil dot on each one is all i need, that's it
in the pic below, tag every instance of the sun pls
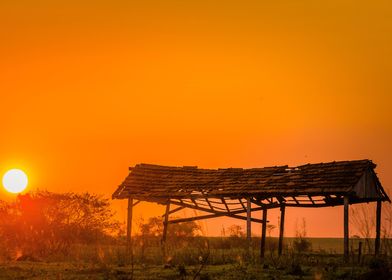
(15, 181)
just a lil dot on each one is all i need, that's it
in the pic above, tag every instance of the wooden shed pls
(237, 192)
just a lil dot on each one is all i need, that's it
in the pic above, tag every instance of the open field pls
(192, 262)
(325, 267)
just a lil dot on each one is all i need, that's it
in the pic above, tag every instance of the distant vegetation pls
(80, 229)
(43, 223)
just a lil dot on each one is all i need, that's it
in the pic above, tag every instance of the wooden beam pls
(242, 204)
(336, 202)
(310, 198)
(312, 205)
(248, 225)
(346, 232)
(211, 216)
(174, 210)
(164, 233)
(281, 229)
(136, 203)
(263, 234)
(209, 203)
(296, 201)
(263, 205)
(224, 203)
(129, 230)
(279, 196)
(378, 228)
(213, 211)
(194, 202)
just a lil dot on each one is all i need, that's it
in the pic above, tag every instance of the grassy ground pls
(223, 259)
(290, 266)
(40, 270)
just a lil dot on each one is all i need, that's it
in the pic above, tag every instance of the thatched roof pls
(156, 183)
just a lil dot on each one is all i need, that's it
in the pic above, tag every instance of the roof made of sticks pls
(156, 183)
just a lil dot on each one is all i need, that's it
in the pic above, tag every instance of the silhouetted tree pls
(236, 231)
(151, 233)
(362, 217)
(43, 223)
(154, 227)
(300, 243)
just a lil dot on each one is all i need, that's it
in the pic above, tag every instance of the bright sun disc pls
(15, 181)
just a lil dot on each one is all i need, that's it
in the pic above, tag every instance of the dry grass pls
(327, 268)
(191, 259)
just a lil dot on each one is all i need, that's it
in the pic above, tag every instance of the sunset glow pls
(102, 86)
(196, 139)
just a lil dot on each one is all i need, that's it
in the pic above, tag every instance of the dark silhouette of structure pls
(233, 192)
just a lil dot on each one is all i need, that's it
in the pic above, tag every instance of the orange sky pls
(90, 89)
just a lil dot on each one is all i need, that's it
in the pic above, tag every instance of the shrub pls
(45, 223)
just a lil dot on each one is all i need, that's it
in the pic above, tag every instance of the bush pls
(302, 245)
(378, 263)
(45, 223)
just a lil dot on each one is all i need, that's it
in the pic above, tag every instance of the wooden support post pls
(129, 230)
(378, 227)
(248, 225)
(346, 233)
(164, 233)
(359, 252)
(263, 234)
(281, 230)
